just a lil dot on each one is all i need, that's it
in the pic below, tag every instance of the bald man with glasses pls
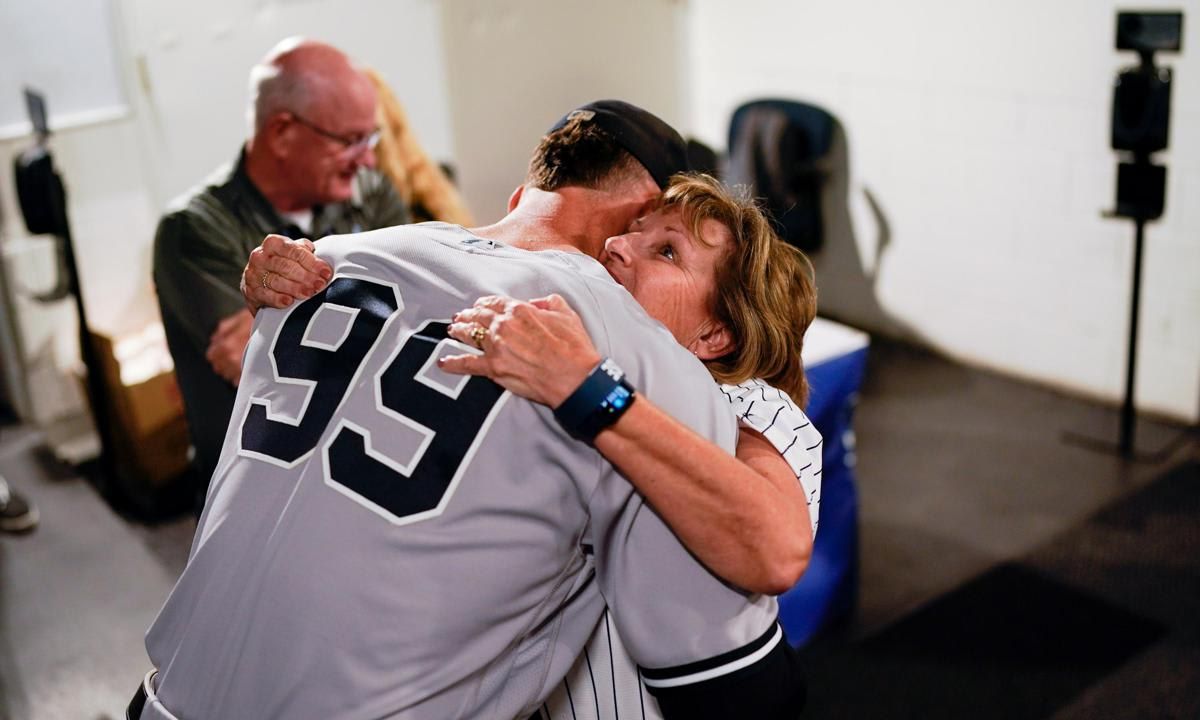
(306, 170)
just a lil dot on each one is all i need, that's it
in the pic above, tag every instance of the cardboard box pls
(145, 414)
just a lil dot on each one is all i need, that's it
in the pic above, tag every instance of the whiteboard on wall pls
(66, 50)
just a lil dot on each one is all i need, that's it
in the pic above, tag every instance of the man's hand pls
(228, 344)
(281, 271)
(537, 349)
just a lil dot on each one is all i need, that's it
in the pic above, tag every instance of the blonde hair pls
(765, 294)
(417, 179)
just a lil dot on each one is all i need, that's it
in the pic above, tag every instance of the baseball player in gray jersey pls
(383, 539)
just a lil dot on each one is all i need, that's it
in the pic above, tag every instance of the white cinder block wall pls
(515, 66)
(981, 130)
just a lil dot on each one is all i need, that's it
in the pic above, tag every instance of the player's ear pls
(515, 198)
(649, 206)
(715, 340)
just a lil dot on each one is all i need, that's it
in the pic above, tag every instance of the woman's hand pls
(537, 349)
(281, 271)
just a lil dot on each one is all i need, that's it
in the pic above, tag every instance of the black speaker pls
(1149, 31)
(1141, 109)
(40, 192)
(1140, 120)
(1141, 188)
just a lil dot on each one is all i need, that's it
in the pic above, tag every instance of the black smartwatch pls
(598, 402)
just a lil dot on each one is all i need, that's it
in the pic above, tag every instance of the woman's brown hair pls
(765, 294)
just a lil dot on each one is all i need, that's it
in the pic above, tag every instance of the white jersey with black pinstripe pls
(604, 683)
(769, 411)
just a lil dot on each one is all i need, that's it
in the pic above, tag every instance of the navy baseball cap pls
(642, 134)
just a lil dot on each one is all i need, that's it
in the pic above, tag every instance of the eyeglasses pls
(352, 145)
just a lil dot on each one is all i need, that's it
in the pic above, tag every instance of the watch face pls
(617, 399)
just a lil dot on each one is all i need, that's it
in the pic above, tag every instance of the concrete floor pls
(958, 470)
(76, 595)
(1006, 573)
(961, 469)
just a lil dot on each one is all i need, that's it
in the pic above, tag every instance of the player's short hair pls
(765, 295)
(606, 143)
(581, 154)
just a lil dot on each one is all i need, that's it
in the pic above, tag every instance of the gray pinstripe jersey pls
(604, 683)
(383, 540)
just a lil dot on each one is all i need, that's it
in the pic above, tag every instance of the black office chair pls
(775, 147)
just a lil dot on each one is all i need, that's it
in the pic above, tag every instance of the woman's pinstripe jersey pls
(604, 683)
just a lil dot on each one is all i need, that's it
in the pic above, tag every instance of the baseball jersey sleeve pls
(770, 412)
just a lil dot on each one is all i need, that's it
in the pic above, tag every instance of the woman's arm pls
(745, 517)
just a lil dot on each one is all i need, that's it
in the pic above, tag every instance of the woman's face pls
(672, 274)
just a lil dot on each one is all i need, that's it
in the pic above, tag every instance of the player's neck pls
(531, 234)
(570, 219)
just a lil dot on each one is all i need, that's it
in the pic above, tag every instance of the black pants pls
(134, 711)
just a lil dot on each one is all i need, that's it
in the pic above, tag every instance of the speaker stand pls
(1127, 424)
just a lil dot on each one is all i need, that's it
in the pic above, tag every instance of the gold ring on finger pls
(265, 280)
(478, 334)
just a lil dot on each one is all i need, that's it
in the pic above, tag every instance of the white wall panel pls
(982, 131)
